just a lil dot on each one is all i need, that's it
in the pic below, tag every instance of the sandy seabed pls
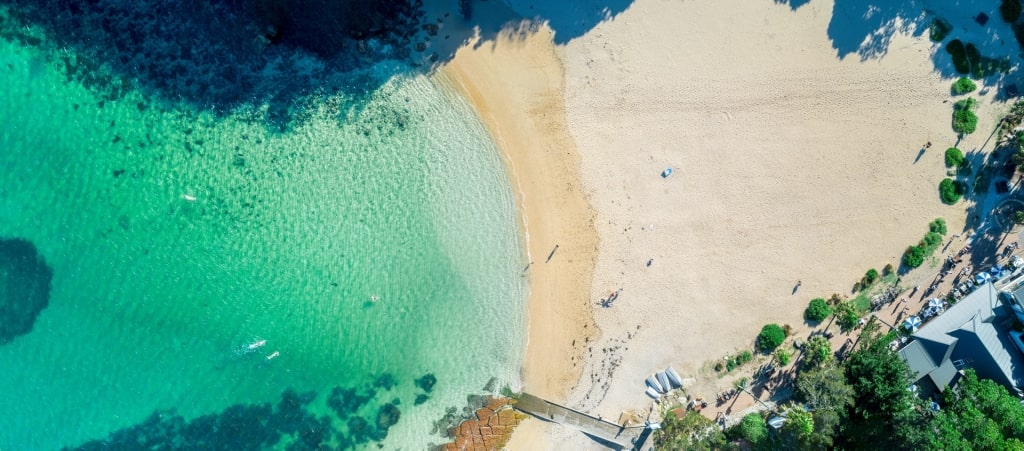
(791, 163)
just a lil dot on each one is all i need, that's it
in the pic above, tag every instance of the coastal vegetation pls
(869, 277)
(847, 315)
(954, 157)
(771, 337)
(1010, 10)
(963, 86)
(817, 351)
(939, 29)
(964, 119)
(950, 191)
(967, 59)
(914, 255)
(782, 356)
(863, 402)
(817, 310)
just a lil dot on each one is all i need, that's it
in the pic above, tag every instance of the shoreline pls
(515, 86)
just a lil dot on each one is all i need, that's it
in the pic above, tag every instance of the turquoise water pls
(154, 295)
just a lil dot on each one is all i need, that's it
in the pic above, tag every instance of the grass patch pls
(963, 86)
(964, 119)
(939, 29)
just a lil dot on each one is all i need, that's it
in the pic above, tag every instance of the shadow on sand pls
(271, 56)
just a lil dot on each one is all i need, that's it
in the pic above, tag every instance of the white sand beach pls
(797, 156)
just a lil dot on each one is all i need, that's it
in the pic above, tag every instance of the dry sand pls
(791, 163)
(515, 85)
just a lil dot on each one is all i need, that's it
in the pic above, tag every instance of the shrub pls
(752, 429)
(782, 356)
(939, 30)
(744, 357)
(964, 119)
(963, 86)
(954, 157)
(950, 191)
(818, 351)
(931, 241)
(913, 256)
(1018, 216)
(955, 48)
(817, 310)
(846, 316)
(871, 276)
(1010, 10)
(887, 269)
(937, 226)
(771, 337)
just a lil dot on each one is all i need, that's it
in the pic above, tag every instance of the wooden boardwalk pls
(611, 433)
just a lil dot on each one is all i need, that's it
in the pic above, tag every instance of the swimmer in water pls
(374, 298)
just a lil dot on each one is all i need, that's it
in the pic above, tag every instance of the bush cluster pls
(870, 277)
(817, 310)
(964, 119)
(782, 356)
(963, 86)
(951, 191)
(846, 315)
(771, 337)
(914, 255)
(1010, 10)
(967, 59)
(954, 157)
(939, 30)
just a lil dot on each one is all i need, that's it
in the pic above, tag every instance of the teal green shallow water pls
(402, 197)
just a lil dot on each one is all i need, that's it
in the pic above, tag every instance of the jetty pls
(610, 434)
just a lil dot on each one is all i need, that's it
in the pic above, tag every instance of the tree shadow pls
(866, 28)
(272, 57)
(793, 4)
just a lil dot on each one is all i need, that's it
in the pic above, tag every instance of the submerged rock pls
(24, 287)
(427, 382)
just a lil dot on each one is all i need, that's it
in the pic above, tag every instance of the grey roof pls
(968, 334)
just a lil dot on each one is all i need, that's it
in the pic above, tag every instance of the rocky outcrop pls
(489, 430)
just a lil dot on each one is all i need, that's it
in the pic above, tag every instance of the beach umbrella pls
(935, 303)
(912, 323)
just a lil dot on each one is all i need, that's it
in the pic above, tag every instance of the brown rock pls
(495, 403)
(469, 427)
(506, 417)
(493, 421)
(485, 431)
(483, 414)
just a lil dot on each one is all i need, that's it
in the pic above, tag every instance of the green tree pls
(950, 191)
(817, 310)
(964, 119)
(799, 426)
(885, 415)
(954, 157)
(752, 429)
(846, 315)
(871, 276)
(782, 356)
(817, 352)
(1018, 216)
(1010, 10)
(771, 337)
(913, 256)
(825, 391)
(692, 431)
(979, 413)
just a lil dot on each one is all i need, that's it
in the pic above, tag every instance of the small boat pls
(653, 393)
(188, 197)
(674, 377)
(667, 172)
(664, 381)
(652, 382)
(255, 345)
(273, 355)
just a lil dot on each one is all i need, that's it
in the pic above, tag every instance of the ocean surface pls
(220, 282)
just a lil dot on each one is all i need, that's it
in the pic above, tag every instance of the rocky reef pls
(24, 287)
(489, 428)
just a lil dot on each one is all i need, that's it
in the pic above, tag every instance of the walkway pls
(611, 433)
